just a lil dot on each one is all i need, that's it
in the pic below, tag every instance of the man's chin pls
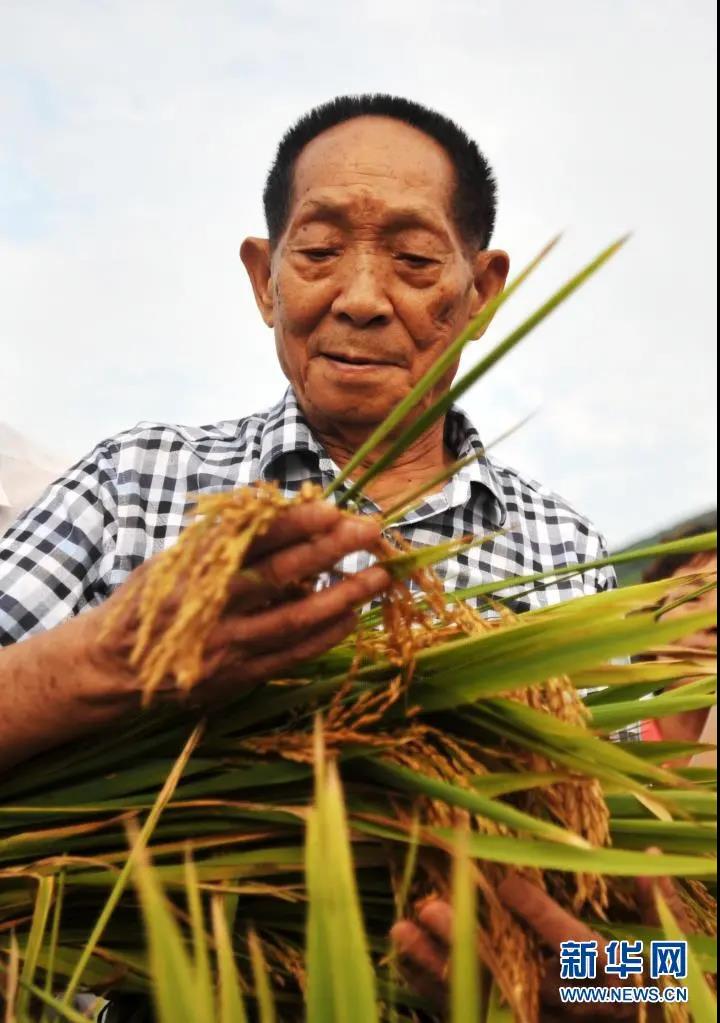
(361, 402)
(368, 416)
(364, 411)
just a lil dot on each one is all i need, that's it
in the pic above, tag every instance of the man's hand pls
(272, 622)
(74, 678)
(423, 945)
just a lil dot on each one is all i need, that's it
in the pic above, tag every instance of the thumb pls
(646, 888)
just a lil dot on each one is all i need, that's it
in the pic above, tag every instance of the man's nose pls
(362, 299)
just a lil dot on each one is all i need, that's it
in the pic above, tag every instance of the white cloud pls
(133, 144)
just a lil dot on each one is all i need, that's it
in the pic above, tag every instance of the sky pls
(134, 141)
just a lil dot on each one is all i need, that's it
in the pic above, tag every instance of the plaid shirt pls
(128, 498)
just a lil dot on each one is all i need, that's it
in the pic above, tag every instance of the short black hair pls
(475, 199)
(667, 564)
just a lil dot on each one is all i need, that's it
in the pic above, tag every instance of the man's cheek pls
(431, 339)
(287, 364)
(442, 320)
(299, 307)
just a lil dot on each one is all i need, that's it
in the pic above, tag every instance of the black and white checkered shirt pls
(128, 498)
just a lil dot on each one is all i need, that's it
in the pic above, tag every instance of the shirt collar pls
(463, 440)
(286, 436)
(287, 433)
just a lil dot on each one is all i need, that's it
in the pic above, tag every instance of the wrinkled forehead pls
(388, 210)
(377, 161)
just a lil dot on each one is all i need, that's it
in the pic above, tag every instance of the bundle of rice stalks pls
(440, 720)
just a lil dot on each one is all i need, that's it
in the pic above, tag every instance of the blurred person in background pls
(25, 471)
(690, 725)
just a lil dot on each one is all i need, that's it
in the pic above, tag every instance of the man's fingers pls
(418, 951)
(245, 669)
(274, 628)
(646, 888)
(295, 524)
(551, 982)
(551, 922)
(423, 953)
(550, 985)
(313, 645)
(424, 985)
(554, 925)
(307, 559)
(436, 916)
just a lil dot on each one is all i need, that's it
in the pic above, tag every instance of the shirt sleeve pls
(598, 580)
(54, 556)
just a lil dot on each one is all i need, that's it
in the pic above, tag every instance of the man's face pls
(705, 641)
(371, 280)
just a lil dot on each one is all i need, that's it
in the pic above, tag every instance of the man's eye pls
(318, 255)
(415, 261)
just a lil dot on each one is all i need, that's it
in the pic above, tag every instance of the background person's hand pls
(423, 946)
(553, 925)
(272, 621)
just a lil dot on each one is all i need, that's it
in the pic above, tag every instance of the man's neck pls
(423, 460)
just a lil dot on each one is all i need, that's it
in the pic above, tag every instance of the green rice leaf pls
(401, 566)
(353, 979)
(230, 1005)
(413, 498)
(670, 836)
(261, 980)
(146, 831)
(693, 696)
(549, 856)
(621, 681)
(65, 1012)
(569, 744)
(470, 799)
(320, 992)
(202, 976)
(53, 940)
(41, 911)
(702, 1000)
(12, 978)
(660, 751)
(498, 1012)
(509, 658)
(698, 803)
(690, 545)
(465, 994)
(174, 992)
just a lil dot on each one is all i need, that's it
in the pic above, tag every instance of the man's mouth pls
(355, 362)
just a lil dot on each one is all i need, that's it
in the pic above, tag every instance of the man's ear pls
(491, 269)
(255, 254)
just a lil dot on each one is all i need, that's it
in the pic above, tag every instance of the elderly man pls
(379, 216)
